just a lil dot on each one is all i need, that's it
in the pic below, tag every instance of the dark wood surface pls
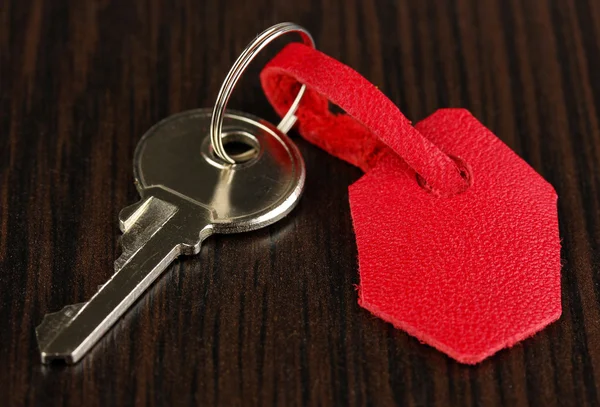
(271, 317)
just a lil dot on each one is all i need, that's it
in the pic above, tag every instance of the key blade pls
(69, 338)
(68, 334)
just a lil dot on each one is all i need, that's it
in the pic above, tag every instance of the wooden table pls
(271, 317)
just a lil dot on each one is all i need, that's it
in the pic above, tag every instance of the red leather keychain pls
(457, 236)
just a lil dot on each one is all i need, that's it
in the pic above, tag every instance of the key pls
(187, 195)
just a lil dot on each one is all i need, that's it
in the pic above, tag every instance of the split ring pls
(216, 123)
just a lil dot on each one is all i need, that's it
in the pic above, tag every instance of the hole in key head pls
(240, 145)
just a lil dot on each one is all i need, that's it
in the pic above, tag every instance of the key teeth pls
(128, 214)
(52, 324)
(139, 222)
(121, 261)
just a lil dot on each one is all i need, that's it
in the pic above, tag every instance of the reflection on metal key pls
(187, 193)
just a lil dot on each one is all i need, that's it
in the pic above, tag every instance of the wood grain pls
(271, 317)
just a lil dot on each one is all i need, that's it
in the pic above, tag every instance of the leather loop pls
(371, 126)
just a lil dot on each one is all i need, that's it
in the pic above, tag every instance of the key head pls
(176, 155)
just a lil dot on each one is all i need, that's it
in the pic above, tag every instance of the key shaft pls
(180, 231)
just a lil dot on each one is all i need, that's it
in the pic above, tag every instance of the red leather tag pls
(457, 236)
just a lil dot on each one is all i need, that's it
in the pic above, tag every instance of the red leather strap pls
(371, 126)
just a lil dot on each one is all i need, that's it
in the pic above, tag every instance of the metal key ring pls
(263, 39)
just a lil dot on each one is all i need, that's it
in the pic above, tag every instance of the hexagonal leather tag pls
(468, 274)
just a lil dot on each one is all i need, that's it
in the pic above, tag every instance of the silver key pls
(187, 194)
